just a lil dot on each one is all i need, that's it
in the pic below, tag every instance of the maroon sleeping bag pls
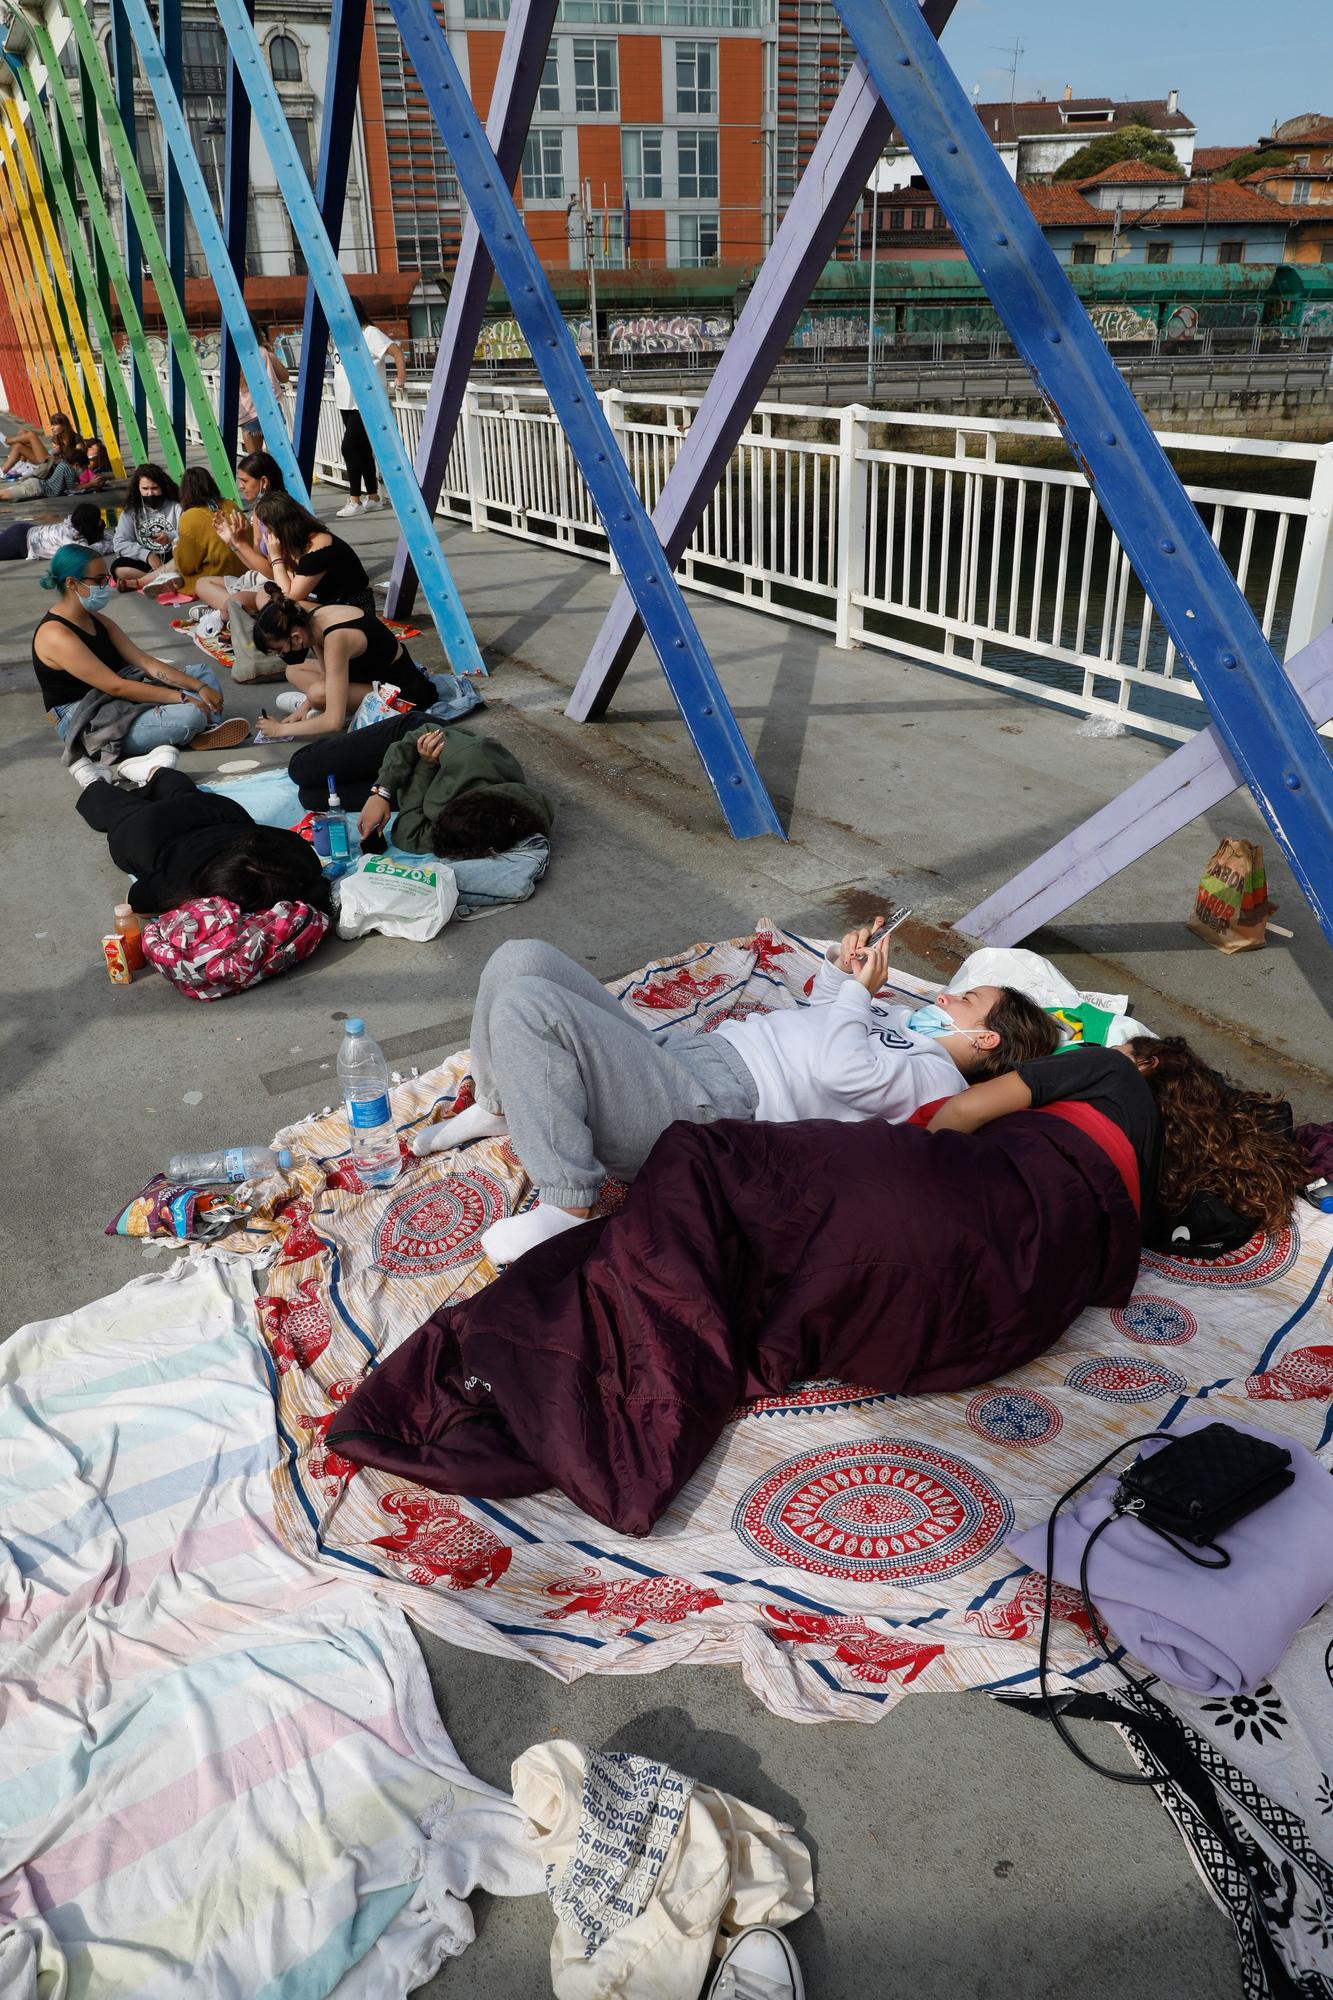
(748, 1257)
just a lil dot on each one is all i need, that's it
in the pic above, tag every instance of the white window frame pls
(637, 142)
(697, 99)
(697, 140)
(605, 95)
(549, 87)
(547, 144)
(689, 255)
(1300, 193)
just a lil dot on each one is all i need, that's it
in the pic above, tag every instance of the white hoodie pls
(844, 1056)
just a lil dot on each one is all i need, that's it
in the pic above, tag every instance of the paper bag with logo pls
(1231, 906)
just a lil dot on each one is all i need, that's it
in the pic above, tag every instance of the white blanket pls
(221, 1771)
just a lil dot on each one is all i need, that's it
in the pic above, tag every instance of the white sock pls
(84, 772)
(470, 1125)
(504, 1241)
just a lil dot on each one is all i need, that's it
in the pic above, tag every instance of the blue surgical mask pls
(99, 596)
(931, 1020)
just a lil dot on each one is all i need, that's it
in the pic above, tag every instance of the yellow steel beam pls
(64, 355)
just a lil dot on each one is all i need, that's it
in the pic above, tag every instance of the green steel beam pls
(101, 320)
(106, 236)
(101, 276)
(154, 256)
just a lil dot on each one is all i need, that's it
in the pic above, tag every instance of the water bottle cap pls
(124, 910)
(284, 1157)
(354, 1026)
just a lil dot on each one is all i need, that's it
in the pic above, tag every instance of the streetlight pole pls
(588, 236)
(870, 318)
(766, 140)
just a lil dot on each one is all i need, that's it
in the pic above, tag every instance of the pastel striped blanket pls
(221, 1771)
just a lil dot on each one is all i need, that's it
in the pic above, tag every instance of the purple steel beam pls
(1191, 781)
(513, 99)
(856, 134)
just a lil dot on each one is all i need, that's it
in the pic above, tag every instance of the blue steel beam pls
(1256, 711)
(230, 296)
(347, 27)
(173, 211)
(123, 51)
(372, 399)
(722, 749)
(513, 100)
(235, 222)
(848, 149)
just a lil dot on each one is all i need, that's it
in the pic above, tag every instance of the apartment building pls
(294, 35)
(651, 144)
(1301, 179)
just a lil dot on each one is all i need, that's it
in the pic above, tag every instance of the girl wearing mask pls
(76, 649)
(148, 526)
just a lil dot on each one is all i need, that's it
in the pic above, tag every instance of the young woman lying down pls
(607, 1360)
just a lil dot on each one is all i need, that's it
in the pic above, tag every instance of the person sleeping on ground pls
(748, 1256)
(584, 1091)
(457, 795)
(37, 541)
(333, 653)
(180, 844)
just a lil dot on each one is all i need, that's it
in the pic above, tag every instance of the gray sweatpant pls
(585, 1090)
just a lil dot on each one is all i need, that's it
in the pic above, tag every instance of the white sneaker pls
(351, 507)
(210, 624)
(138, 770)
(758, 1964)
(84, 772)
(288, 702)
(372, 504)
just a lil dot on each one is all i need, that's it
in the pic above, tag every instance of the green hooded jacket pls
(468, 763)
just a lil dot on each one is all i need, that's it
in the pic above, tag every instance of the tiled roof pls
(1135, 172)
(1063, 207)
(1207, 159)
(1317, 135)
(1230, 201)
(1044, 118)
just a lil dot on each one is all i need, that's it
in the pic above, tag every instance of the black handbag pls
(1196, 1487)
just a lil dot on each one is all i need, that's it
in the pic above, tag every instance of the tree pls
(1134, 142)
(1253, 163)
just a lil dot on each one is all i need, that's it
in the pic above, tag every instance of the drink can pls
(117, 959)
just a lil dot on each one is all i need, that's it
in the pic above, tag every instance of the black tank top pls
(59, 687)
(386, 659)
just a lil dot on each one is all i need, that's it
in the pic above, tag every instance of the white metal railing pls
(913, 532)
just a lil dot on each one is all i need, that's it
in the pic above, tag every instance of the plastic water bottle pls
(332, 843)
(363, 1077)
(234, 1163)
(340, 851)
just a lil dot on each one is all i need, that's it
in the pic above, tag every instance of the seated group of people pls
(49, 466)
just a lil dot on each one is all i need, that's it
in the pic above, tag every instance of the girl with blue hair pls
(76, 650)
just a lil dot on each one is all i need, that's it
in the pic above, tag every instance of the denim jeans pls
(175, 722)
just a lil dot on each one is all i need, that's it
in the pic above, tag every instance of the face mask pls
(149, 499)
(932, 1020)
(99, 595)
(294, 655)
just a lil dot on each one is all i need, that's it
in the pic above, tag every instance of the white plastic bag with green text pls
(402, 899)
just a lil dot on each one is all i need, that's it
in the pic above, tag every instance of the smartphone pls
(887, 928)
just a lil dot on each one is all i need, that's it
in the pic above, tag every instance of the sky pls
(1237, 67)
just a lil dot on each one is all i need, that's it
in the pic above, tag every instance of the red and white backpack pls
(209, 949)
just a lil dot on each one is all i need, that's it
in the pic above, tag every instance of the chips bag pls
(1231, 906)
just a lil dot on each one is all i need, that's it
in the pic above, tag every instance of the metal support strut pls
(689, 671)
